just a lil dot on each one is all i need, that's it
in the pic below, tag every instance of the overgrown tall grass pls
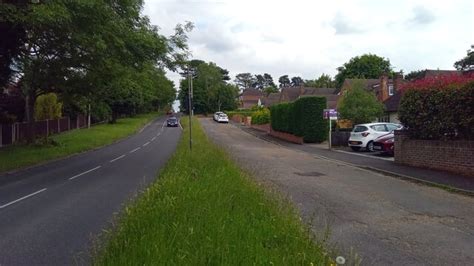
(71, 142)
(203, 210)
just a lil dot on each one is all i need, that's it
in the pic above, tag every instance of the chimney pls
(383, 88)
(397, 81)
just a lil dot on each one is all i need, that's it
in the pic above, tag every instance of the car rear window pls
(360, 129)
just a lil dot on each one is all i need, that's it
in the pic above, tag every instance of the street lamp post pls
(190, 108)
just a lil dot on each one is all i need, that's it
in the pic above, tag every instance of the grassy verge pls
(204, 210)
(71, 142)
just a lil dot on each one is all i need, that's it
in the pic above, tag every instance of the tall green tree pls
(297, 82)
(284, 81)
(323, 81)
(466, 63)
(367, 66)
(359, 105)
(211, 91)
(245, 80)
(94, 50)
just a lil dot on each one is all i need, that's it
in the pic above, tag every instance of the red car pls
(384, 143)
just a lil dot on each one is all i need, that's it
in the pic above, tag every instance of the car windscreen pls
(172, 119)
(223, 115)
(360, 129)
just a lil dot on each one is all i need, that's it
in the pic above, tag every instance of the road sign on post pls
(330, 114)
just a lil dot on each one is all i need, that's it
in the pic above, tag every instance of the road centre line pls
(134, 150)
(153, 139)
(22, 198)
(146, 144)
(83, 173)
(118, 158)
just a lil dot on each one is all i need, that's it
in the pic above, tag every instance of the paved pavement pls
(363, 159)
(385, 220)
(53, 214)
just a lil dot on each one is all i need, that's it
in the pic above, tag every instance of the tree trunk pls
(30, 112)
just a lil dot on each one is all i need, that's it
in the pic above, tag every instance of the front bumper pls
(383, 147)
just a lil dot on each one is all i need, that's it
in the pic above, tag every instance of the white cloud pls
(308, 38)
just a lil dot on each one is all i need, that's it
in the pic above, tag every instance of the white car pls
(216, 115)
(363, 135)
(222, 118)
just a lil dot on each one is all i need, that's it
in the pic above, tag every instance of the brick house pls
(249, 98)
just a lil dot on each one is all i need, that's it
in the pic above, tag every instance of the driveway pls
(384, 220)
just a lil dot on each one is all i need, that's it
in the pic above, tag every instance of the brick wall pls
(286, 136)
(264, 127)
(454, 156)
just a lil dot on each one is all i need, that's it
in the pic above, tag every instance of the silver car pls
(363, 135)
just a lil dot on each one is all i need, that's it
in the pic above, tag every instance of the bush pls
(261, 117)
(279, 117)
(48, 107)
(303, 118)
(439, 109)
(308, 117)
(359, 106)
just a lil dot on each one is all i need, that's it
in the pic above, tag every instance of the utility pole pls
(190, 108)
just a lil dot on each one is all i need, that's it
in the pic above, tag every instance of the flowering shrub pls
(439, 108)
(261, 117)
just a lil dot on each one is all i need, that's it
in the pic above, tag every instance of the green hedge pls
(261, 117)
(230, 114)
(439, 113)
(303, 118)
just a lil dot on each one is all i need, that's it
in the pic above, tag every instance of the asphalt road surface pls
(54, 214)
(386, 221)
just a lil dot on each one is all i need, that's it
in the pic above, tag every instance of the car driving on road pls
(221, 117)
(363, 135)
(172, 122)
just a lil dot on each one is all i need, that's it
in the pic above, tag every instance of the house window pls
(390, 90)
(384, 118)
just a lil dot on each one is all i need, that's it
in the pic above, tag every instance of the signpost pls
(330, 114)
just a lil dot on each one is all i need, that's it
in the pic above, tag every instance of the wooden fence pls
(18, 132)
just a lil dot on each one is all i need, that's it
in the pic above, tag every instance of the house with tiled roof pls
(249, 98)
(291, 94)
(271, 99)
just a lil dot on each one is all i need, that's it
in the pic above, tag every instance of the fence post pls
(68, 123)
(59, 125)
(1, 135)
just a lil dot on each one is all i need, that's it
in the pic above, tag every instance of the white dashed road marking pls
(146, 144)
(134, 150)
(153, 139)
(118, 158)
(83, 173)
(22, 198)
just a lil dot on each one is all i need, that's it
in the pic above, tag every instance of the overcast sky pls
(308, 38)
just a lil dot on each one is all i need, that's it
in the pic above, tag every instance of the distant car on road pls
(216, 115)
(222, 118)
(363, 135)
(172, 122)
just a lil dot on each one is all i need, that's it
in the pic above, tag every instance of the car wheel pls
(370, 146)
(355, 148)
